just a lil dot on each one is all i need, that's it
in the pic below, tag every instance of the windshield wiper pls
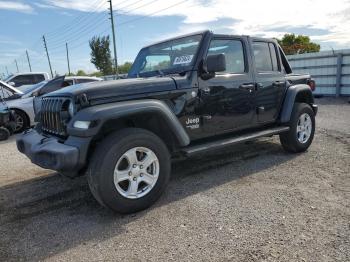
(181, 72)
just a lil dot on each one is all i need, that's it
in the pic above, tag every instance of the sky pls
(141, 22)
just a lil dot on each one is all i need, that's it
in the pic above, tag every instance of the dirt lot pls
(252, 202)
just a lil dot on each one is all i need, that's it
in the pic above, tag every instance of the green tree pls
(101, 54)
(96, 74)
(81, 73)
(297, 44)
(124, 68)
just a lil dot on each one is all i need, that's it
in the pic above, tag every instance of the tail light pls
(312, 84)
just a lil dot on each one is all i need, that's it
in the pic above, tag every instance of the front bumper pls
(47, 152)
(314, 108)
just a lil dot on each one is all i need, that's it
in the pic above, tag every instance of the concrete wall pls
(330, 69)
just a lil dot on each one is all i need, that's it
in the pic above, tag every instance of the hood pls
(118, 88)
(11, 89)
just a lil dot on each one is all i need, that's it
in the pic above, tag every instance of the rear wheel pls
(302, 129)
(129, 170)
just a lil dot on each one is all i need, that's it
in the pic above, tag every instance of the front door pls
(227, 100)
(270, 81)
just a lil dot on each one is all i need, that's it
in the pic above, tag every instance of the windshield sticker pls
(185, 59)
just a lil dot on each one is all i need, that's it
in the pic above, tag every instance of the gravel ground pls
(253, 202)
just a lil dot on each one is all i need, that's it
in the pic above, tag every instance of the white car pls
(21, 102)
(31, 78)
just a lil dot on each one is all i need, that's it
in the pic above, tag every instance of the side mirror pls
(214, 63)
(35, 94)
(11, 83)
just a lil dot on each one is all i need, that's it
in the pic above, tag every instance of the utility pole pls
(30, 67)
(113, 34)
(68, 59)
(16, 65)
(48, 57)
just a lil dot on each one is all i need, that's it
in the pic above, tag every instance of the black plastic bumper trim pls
(49, 153)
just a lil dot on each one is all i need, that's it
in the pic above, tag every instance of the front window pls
(173, 56)
(234, 54)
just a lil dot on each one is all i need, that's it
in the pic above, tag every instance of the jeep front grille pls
(54, 115)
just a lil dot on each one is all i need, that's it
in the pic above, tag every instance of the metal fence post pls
(339, 74)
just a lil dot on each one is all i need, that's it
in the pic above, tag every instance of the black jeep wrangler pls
(183, 96)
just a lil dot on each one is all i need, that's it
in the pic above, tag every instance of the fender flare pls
(289, 100)
(99, 114)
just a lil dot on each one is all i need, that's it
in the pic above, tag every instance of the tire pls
(295, 140)
(11, 127)
(4, 134)
(113, 152)
(21, 120)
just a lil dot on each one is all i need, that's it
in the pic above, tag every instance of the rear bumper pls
(48, 152)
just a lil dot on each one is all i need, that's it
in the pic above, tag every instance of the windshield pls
(167, 57)
(8, 77)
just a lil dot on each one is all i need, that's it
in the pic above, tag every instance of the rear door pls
(227, 100)
(269, 78)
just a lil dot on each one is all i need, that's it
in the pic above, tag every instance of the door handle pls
(206, 90)
(248, 87)
(258, 86)
(278, 83)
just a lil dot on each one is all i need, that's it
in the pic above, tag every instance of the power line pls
(134, 3)
(85, 29)
(30, 67)
(131, 10)
(151, 14)
(16, 65)
(75, 33)
(48, 57)
(68, 59)
(113, 34)
(71, 23)
(77, 28)
(131, 20)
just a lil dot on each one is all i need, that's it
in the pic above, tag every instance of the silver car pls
(21, 101)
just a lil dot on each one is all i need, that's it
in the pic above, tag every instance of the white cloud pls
(16, 6)
(250, 17)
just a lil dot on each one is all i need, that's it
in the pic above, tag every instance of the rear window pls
(265, 56)
(39, 78)
(23, 80)
(86, 80)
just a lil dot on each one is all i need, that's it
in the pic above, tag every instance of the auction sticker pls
(185, 59)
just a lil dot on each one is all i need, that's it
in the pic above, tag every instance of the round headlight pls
(71, 109)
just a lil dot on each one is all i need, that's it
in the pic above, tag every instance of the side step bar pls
(192, 150)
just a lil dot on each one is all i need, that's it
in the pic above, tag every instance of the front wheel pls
(302, 129)
(129, 170)
(21, 121)
(4, 133)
